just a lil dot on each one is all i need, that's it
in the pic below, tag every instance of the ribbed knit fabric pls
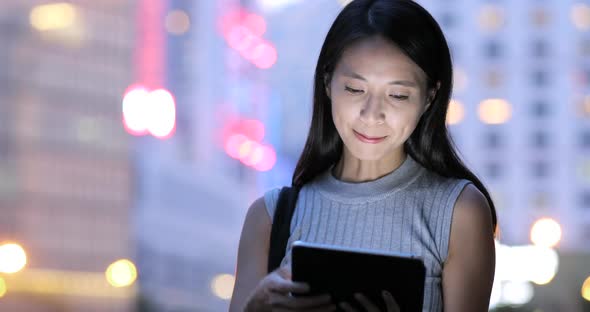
(409, 211)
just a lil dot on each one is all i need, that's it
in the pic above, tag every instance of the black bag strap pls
(281, 226)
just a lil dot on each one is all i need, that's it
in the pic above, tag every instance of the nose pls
(372, 112)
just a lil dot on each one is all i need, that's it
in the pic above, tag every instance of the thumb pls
(285, 271)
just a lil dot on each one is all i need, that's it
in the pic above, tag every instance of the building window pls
(540, 18)
(584, 199)
(540, 169)
(540, 78)
(540, 201)
(584, 106)
(493, 78)
(493, 170)
(492, 49)
(585, 140)
(584, 47)
(492, 140)
(540, 48)
(540, 140)
(540, 109)
(448, 20)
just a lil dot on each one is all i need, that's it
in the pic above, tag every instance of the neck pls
(352, 169)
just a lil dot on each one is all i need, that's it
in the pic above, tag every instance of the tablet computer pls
(342, 271)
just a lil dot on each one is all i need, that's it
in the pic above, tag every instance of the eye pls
(399, 97)
(353, 91)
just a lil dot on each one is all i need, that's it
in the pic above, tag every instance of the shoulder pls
(443, 192)
(469, 269)
(472, 211)
(445, 199)
(257, 217)
(257, 225)
(432, 181)
(270, 199)
(471, 227)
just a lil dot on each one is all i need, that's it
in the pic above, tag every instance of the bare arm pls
(468, 272)
(252, 254)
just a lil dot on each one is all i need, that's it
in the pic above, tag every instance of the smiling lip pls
(366, 139)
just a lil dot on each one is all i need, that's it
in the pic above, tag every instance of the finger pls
(368, 305)
(390, 302)
(346, 307)
(280, 285)
(301, 302)
(289, 287)
(285, 271)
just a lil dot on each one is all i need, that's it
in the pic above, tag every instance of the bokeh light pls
(121, 273)
(3, 287)
(162, 113)
(546, 232)
(133, 110)
(151, 112)
(53, 16)
(491, 18)
(494, 111)
(177, 22)
(252, 128)
(255, 23)
(243, 32)
(455, 113)
(580, 16)
(272, 6)
(586, 289)
(242, 140)
(516, 268)
(263, 55)
(268, 159)
(233, 144)
(254, 155)
(517, 292)
(12, 258)
(222, 286)
(543, 265)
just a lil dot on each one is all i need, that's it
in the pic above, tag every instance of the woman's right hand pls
(273, 293)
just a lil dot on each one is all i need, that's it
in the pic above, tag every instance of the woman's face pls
(378, 96)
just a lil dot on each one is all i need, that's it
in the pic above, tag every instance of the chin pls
(367, 153)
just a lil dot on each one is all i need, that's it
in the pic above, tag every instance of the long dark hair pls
(412, 29)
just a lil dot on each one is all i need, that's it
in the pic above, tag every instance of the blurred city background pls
(134, 134)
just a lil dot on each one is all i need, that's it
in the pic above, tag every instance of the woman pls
(378, 169)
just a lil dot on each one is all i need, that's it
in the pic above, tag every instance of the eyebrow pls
(406, 83)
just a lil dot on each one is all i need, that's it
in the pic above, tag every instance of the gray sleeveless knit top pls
(408, 210)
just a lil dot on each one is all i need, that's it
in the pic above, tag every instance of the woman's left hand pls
(390, 303)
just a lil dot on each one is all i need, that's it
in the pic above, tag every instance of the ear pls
(431, 95)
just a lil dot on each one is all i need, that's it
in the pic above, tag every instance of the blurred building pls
(520, 114)
(189, 202)
(65, 170)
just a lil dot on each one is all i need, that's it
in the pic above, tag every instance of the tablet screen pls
(342, 271)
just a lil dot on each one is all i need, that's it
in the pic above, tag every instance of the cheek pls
(343, 114)
(403, 120)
